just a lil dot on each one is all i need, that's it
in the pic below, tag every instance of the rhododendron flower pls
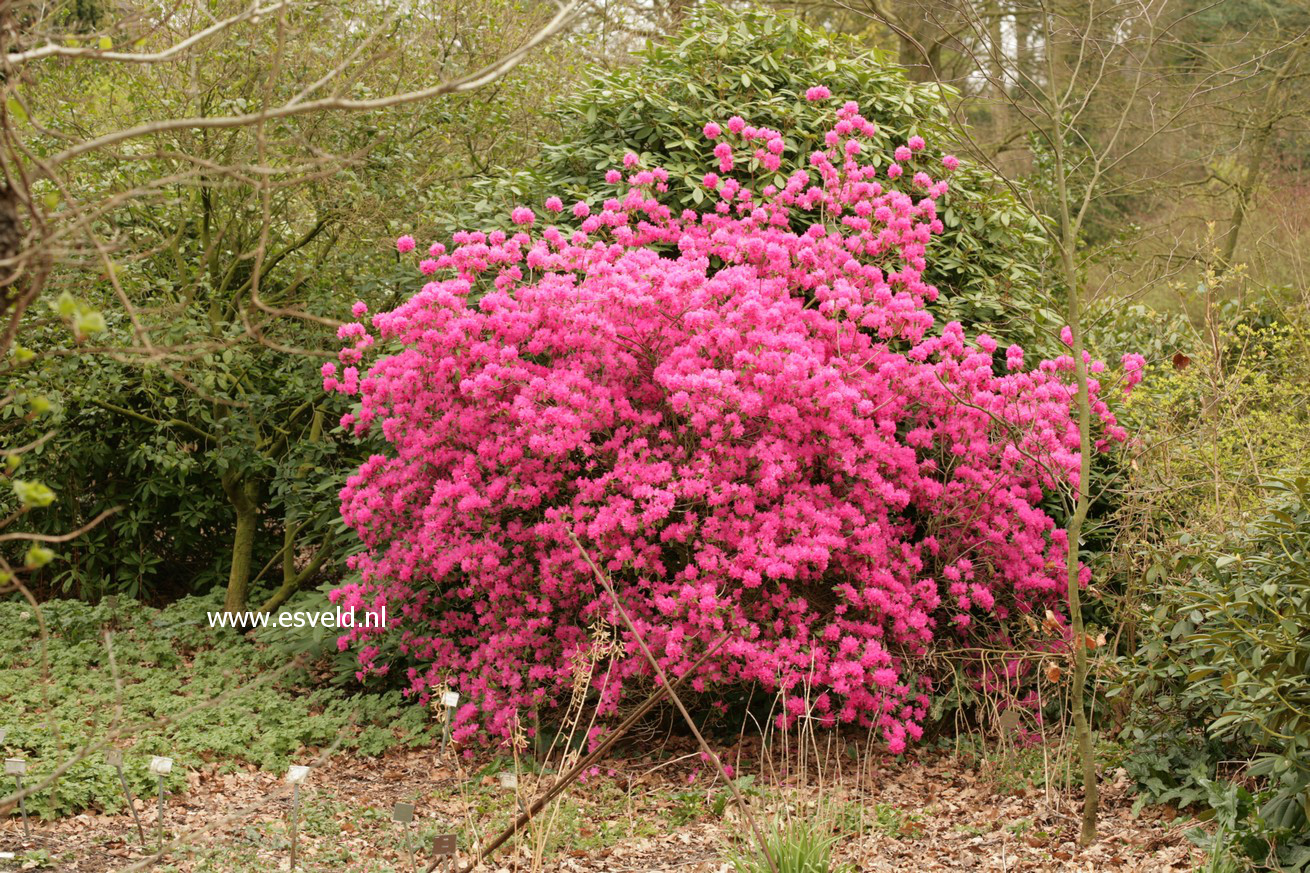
(1134, 366)
(554, 204)
(915, 143)
(950, 162)
(902, 154)
(748, 417)
(818, 92)
(1014, 358)
(405, 244)
(712, 130)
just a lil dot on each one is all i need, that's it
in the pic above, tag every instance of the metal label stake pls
(450, 700)
(403, 813)
(16, 767)
(161, 767)
(296, 774)
(443, 846)
(114, 757)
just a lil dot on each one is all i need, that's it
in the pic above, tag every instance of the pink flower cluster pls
(746, 416)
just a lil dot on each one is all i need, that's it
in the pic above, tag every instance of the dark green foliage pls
(1221, 676)
(157, 444)
(224, 697)
(758, 64)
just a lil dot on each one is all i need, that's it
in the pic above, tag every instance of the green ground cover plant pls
(174, 687)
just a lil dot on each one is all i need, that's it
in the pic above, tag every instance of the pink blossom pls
(554, 204)
(712, 130)
(405, 244)
(950, 162)
(1134, 367)
(749, 416)
(522, 215)
(915, 143)
(818, 92)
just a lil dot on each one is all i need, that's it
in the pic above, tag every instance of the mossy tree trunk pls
(243, 494)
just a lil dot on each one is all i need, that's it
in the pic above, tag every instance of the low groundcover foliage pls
(744, 414)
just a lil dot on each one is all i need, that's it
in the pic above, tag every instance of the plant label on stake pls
(161, 767)
(403, 814)
(16, 767)
(449, 700)
(443, 846)
(114, 758)
(509, 780)
(296, 774)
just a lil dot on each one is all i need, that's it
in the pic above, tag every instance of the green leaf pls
(32, 494)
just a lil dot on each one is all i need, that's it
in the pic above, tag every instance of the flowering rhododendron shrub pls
(755, 429)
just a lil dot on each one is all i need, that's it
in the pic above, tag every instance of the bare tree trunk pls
(1068, 238)
(1082, 502)
(1249, 182)
(243, 494)
(1074, 530)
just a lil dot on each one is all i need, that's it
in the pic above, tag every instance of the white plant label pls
(15, 766)
(450, 699)
(161, 766)
(296, 774)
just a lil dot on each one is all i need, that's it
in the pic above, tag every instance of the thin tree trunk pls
(292, 583)
(1074, 528)
(1253, 168)
(243, 494)
(292, 580)
(1069, 226)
